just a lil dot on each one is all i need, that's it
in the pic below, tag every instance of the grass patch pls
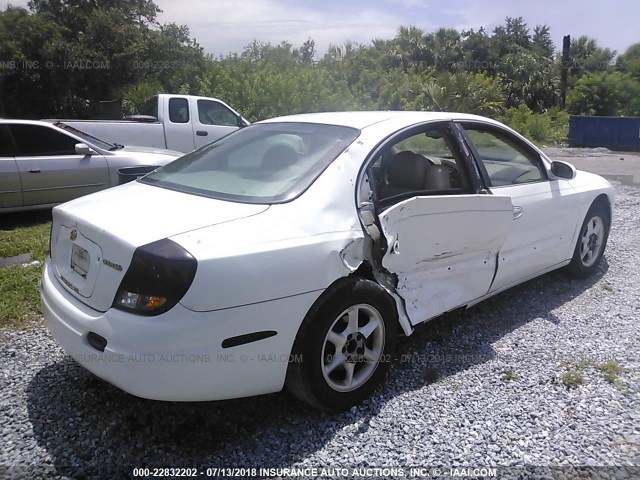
(584, 363)
(572, 379)
(610, 370)
(19, 296)
(33, 239)
(509, 376)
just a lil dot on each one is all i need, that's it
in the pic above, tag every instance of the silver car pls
(43, 164)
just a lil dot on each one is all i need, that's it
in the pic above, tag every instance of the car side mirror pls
(84, 149)
(240, 121)
(563, 170)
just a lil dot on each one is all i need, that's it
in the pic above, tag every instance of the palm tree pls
(408, 47)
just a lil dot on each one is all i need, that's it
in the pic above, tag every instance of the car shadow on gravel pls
(92, 429)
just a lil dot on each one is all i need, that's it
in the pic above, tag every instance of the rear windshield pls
(150, 107)
(262, 163)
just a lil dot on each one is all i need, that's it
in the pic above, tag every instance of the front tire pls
(344, 346)
(592, 241)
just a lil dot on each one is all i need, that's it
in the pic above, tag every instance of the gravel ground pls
(477, 388)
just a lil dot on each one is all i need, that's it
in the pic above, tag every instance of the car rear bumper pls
(178, 356)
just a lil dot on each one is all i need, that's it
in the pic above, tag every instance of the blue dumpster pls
(615, 133)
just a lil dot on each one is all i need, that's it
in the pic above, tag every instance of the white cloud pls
(226, 26)
(411, 3)
(16, 3)
(221, 26)
(614, 24)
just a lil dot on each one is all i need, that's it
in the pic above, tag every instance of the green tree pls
(27, 80)
(308, 51)
(134, 96)
(72, 54)
(529, 78)
(587, 57)
(443, 49)
(605, 93)
(541, 41)
(97, 50)
(478, 52)
(465, 92)
(629, 61)
(408, 47)
(508, 37)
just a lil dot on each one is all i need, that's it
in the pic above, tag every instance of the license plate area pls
(80, 261)
(77, 260)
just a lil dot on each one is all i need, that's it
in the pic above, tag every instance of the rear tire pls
(591, 243)
(344, 346)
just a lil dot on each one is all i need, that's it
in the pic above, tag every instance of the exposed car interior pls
(409, 171)
(428, 162)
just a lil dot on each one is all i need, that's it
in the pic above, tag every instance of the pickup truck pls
(175, 122)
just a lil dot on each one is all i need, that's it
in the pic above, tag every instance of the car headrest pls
(278, 158)
(408, 169)
(438, 177)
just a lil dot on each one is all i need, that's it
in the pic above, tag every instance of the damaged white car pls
(292, 252)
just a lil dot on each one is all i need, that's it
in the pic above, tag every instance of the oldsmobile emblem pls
(69, 284)
(111, 264)
(73, 235)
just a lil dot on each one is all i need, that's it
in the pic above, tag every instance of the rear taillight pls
(159, 275)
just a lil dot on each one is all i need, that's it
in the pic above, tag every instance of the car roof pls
(361, 120)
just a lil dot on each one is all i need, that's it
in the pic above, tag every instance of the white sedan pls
(292, 252)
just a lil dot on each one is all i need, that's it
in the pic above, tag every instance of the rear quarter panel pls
(290, 249)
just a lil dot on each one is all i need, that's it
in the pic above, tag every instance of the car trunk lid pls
(94, 237)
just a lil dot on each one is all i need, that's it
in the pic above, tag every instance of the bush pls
(551, 127)
(604, 93)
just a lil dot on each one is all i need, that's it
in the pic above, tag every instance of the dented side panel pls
(443, 249)
(288, 250)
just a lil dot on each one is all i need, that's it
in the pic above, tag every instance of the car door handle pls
(34, 170)
(202, 133)
(517, 212)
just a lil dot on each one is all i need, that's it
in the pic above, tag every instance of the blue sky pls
(221, 26)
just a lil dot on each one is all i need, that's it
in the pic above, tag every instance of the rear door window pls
(6, 144)
(427, 162)
(150, 107)
(38, 141)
